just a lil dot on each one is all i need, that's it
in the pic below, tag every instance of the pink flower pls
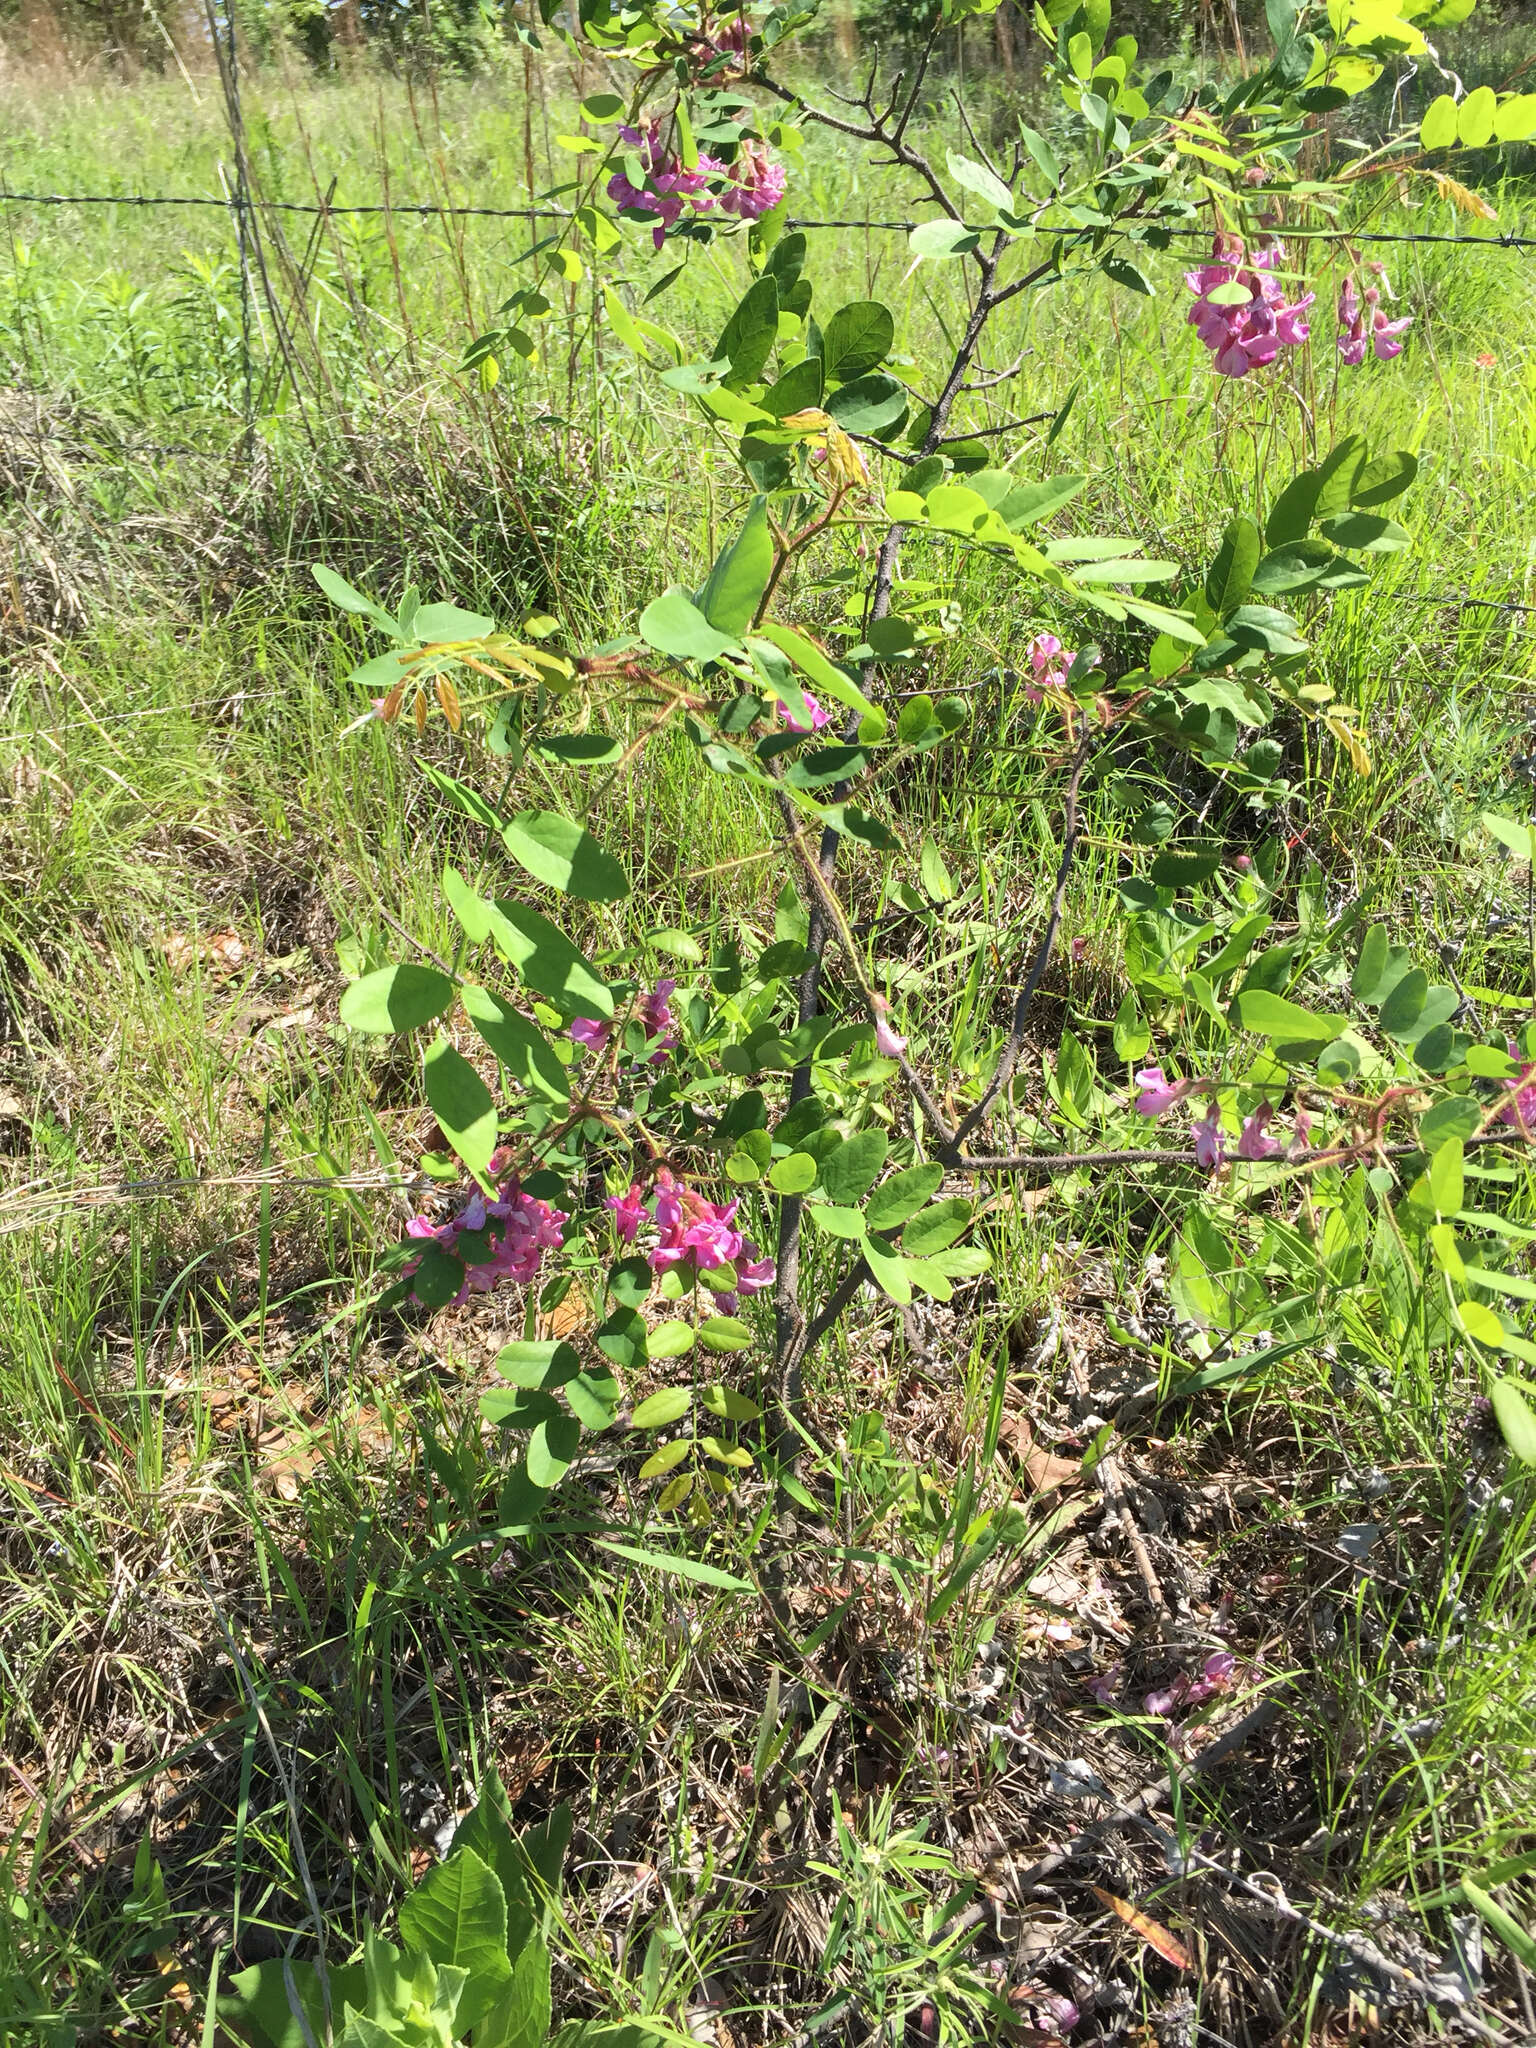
(1158, 1093)
(1252, 1142)
(1210, 1146)
(668, 191)
(1520, 1111)
(591, 1032)
(628, 1212)
(518, 1228)
(1216, 1676)
(752, 1273)
(819, 718)
(657, 1019)
(1050, 662)
(1104, 1685)
(1249, 333)
(1362, 321)
(757, 183)
(1079, 951)
(1301, 1136)
(889, 1042)
(748, 189)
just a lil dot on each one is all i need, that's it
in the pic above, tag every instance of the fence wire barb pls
(427, 210)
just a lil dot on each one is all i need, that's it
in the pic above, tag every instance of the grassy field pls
(235, 1622)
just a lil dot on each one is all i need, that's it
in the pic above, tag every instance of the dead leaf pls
(223, 951)
(570, 1315)
(1151, 1932)
(1043, 1470)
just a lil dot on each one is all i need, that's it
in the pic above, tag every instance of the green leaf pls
(1446, 1185)
(935, 1228)
(462, 1104)
(889, 1269)
(1184, 870)
(487, 1829)
(1516, 837)
(1384, 478)
(667, 1459)
(837, 1222)
(1438, 128)
(829, 679)
(857, 338)
(579, 749)
(793, 1175)
(680, 1567)
(558, 852)
(666, 1405)
(673, 624)
(669, 1340)
(1380, 967)
(747, 339)
(1515, 120)
(1276, 1017)
(537, 1365)
(520, 2016)
(1031, 502)
(1261, 626)
(457, 1915)
(1045, 157)
(736, 583)
(1475, 117)
(1366, 533)
(339, 591)
(853, 1167)
(724, 1333)
(517, 1042)
(729, 1403)
(518, 1407)
(942, 238)
(551, 1448)
(902, 1195)
(593, 1397)
(435, 622)
(1231, 574)
(1481, 1324)
(1512, 1410)
(1125, 274)
(874, 404)
(396, 998)
(1402, 1009)
(255, 2004)
(548, 962)
(1316, 493)
(977, 178)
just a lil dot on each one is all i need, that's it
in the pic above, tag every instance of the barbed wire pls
(428, 209)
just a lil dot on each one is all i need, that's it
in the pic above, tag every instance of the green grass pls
(209, 1438)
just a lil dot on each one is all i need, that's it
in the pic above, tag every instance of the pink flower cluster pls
(1051, 663)
(1362, 321)
(654, 1012)
(1249, 333)
(519, 1229)
(753, 185)
(1216, 1676)
(692, 1229)
(1158, 1095)
(1520, 1111)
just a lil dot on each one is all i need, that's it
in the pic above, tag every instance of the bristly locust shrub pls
(681, 1131)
